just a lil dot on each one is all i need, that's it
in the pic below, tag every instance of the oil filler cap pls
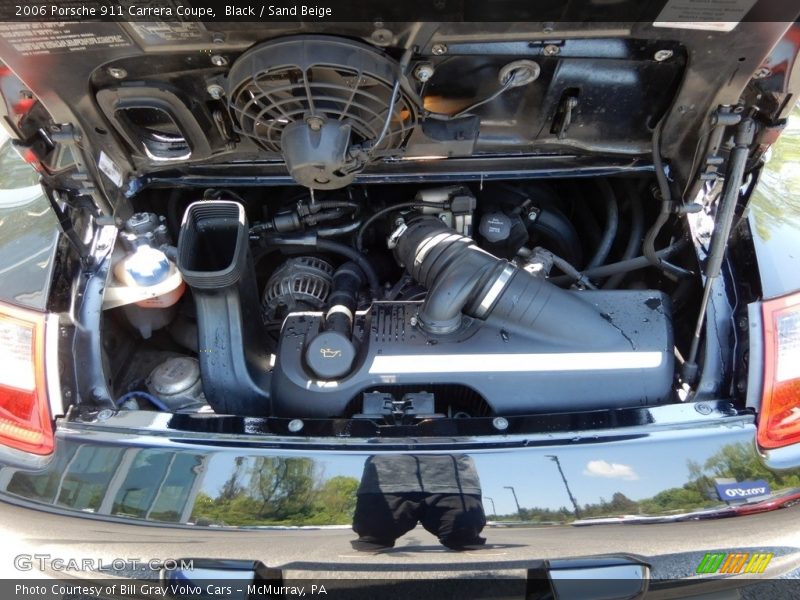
(330, 355)
(495, 227)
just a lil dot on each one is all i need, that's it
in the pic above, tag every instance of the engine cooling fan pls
(327, 104)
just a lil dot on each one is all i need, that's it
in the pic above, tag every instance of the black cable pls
(583, 217)
(218, 195)
(507, 85)
(388, 120)
(337, 230)
(303, 241)
(387, 210)
(635, 236)
(624, 266)
(649, 244)
(611, 226)
(329, 210)
(333, 204)
(326, 245)
(173, 214)
(311, 217)
(323, 216)
(563, 265)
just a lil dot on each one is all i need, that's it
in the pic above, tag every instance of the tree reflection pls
(736, 461)
(278, 491)
(171, 486)
(776, 200)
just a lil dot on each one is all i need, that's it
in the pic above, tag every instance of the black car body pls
(199, 182)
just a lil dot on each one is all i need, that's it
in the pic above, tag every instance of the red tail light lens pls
(779, 423)
(24, 413)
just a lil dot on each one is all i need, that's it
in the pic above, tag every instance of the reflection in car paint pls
(28, 232)
(266, 489)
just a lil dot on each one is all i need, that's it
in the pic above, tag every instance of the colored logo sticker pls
(733, 563)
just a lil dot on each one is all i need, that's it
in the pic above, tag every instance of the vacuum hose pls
(463, 280)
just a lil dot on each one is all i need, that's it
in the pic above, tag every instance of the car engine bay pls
(423, 227)
(394, 303)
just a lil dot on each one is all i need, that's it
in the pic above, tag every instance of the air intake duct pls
(215, 261)
(463, 280)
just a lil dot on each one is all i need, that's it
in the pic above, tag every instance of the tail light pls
(24, 412)
(779, 423)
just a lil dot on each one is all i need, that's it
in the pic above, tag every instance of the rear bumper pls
(151, 493)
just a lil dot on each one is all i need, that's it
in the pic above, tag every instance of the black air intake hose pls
(343, 299)
(462, 278)
(215, 261)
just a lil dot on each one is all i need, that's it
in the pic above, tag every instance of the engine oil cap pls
(495, 227)
(330, 355)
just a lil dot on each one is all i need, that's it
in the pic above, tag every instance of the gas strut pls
(742, 140)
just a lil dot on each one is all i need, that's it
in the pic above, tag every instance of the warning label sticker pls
(168, 32)
(110, 168)
(705, 15)
(33, 39)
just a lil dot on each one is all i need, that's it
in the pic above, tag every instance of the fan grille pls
(273, 97)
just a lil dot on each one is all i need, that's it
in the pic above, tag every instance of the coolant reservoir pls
(149, 268)
(146, 283)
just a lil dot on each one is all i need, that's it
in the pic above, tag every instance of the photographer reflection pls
(440, 491)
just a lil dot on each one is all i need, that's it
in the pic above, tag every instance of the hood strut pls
(742, 140)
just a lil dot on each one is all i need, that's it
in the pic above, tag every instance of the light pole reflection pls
(494, 509)
(554, 458)
(514, 492)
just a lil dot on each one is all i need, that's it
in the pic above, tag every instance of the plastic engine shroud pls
(515, 372)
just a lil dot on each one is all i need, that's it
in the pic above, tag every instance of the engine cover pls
(515, 372)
